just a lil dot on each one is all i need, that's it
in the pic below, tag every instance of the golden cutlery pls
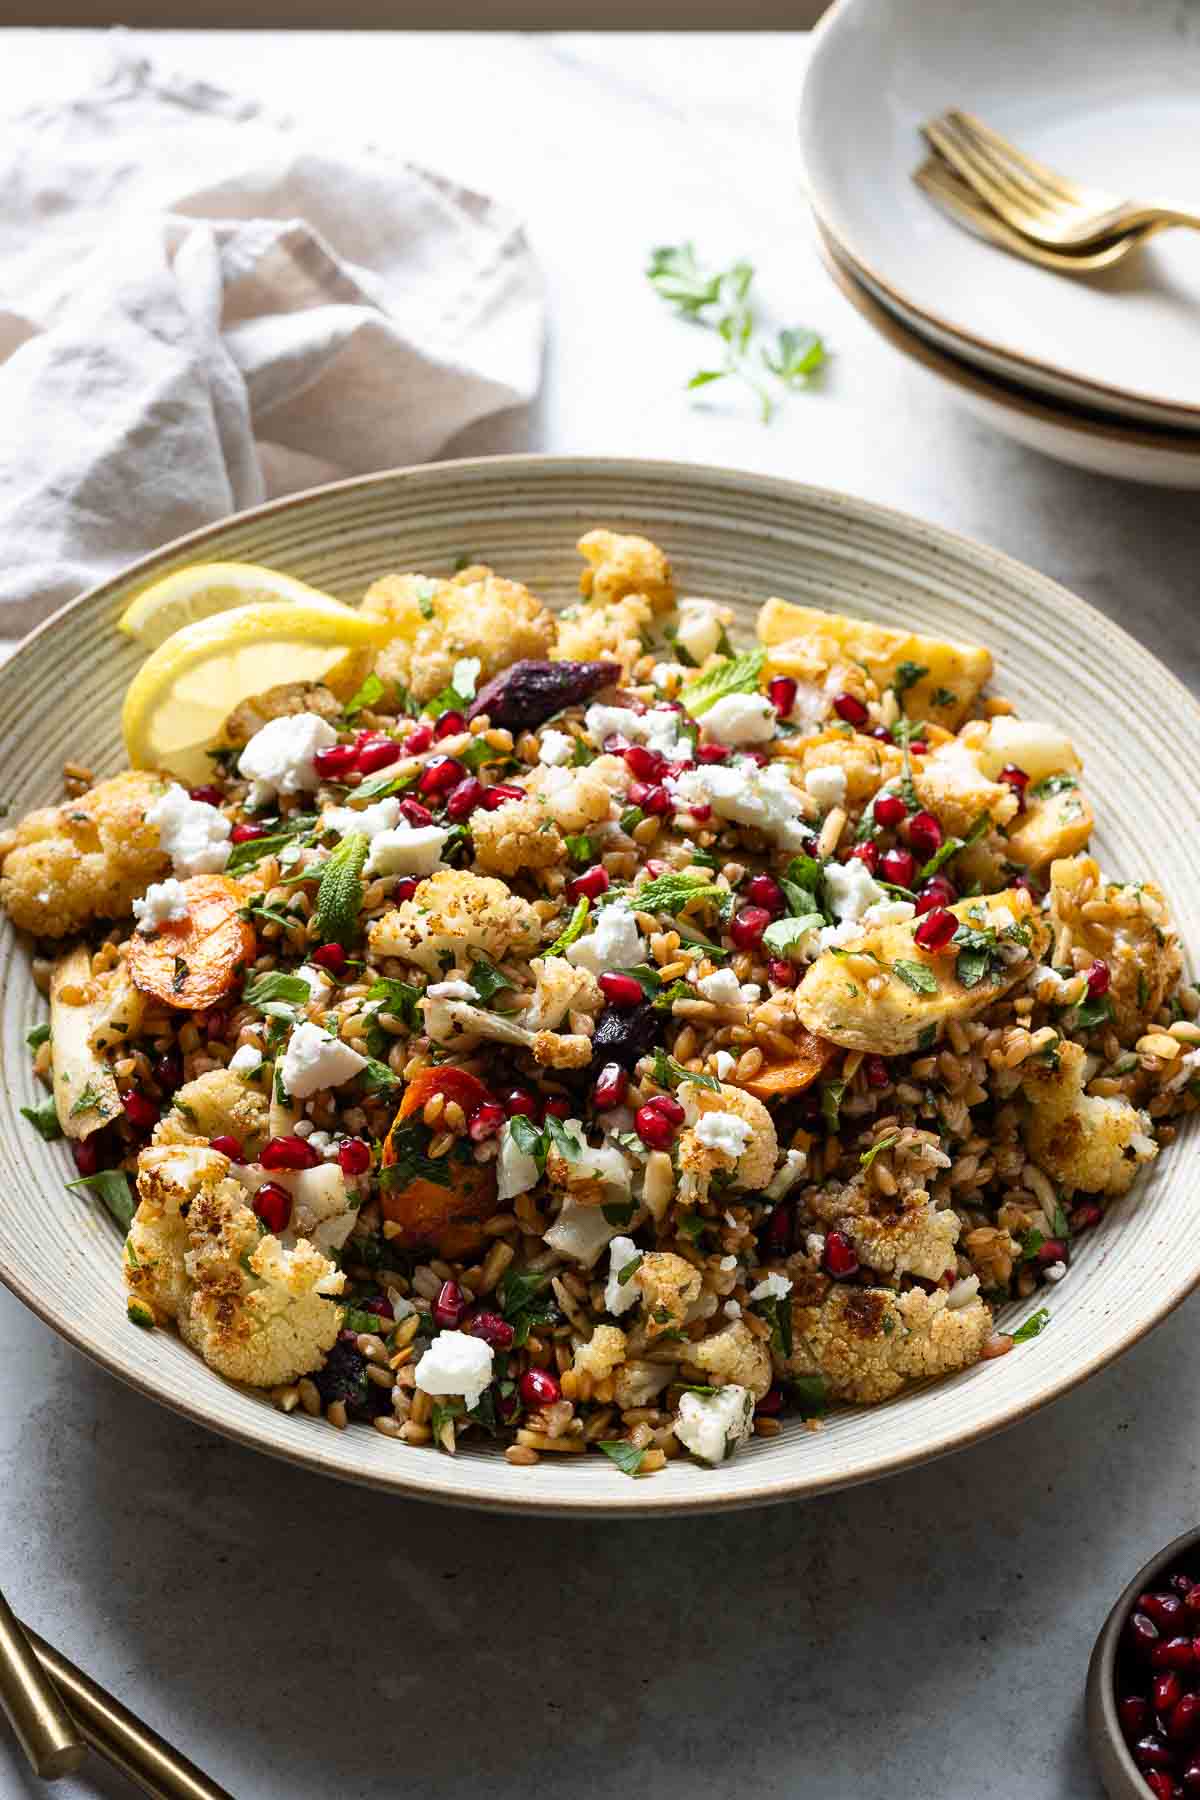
(937, 179)
(45, 1729)
(1044, 206)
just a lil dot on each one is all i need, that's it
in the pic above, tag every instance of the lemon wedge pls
(183, 692)
(188, 595)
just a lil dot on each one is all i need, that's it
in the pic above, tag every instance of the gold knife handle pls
(45, 1729)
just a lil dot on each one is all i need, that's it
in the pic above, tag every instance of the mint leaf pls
(112, 1185)
(37, 1035)
(573, 928)
(371, 691)
(486, 978)
(918, 976)
(1034, 1325)
(1052, 784)
(671, 893)
(783, 935)
(669, 1074)
(298, 831)
(883, 1143)
(735, 675)
(273, 984)
(627, 1457)
(340, 895)
(798, 356)
(44, 1119)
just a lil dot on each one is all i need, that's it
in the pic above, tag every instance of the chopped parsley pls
(627, 1456)
(1034, 1325)
(112, 1185)
(44, 1119)
(918, 976)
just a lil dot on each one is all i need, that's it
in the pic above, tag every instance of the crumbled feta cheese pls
(245, 1059)
(722, 987)
(163, 902)
(556, 749)
(747, 795)
(409, 850)
(370, 820)
(614, 942)
(1056, 1271)
(814, 1244)
(727, 1263)
(456, 1364)
(322, 1142)
(787, 1175)
(314, 1060)
(711, 1425)
(890, 912)
(280, 756)
(725, 1064)
(732, 1309)
(772, 1287)
(740, 719)
(659, 729)
(851, 889)
(194, 835)
(452, 990)
(319, 983)
(699, 628)
(516, 1170)
(465, 675)
(723, 1131)
(826, 784)
(620, 1295)
(810, 708)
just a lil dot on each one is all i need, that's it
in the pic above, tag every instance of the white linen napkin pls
(202, 307)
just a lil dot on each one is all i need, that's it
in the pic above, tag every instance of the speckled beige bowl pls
(738, 538)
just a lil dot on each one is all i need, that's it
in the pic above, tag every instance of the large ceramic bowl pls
(738, 538)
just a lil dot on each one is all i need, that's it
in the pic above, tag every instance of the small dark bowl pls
(1120, 1774)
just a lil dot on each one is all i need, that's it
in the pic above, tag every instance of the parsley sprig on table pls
(721, 302)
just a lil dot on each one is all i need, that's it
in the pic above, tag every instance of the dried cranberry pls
(1099, 979)
(273, 1205)
(866, 853)
(781, 691)
(712, 753)
(439, 775)
(590, 884)
(246, 833)
(288, 1152)
(898, 866)
(850, 708)
(334, 761)
(329, 956)
(493, 1329)
(520, 1100)
(765, 891)
(538, 1389)
(208, 796)
(449, 724)
(86, 1155)
(416, 814)
(936, 929)
(142, 1114)
(924, 834)
(612, 1084)
(228, 1146)
(526, 694)
(485, 1121)
(840, 1258)
(354, 1156)
(376, 753)
(937, 891)
(500, 793)
(464, 799)
(418, 741)
(889, 809)
(747, 926)
(449, 1307)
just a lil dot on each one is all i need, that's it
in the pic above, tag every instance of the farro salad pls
(579, 1032)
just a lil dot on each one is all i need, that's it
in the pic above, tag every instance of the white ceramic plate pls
(1132, 452)
(1104, 90)
(739, 538)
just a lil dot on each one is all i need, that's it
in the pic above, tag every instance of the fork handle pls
(45, 1729)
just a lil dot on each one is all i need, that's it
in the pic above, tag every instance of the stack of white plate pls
(1102, 369)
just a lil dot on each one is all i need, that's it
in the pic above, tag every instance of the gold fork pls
(1041, 204)
(937, 179)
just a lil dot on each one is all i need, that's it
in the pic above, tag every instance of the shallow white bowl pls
(1101, 89)
(739, 538)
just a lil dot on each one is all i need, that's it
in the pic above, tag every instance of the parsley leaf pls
(952, 845)
(669, 1074)
(884, 1143)
(1033, 1326)
(1052, 784)
(573, 928)
(799, 354)
(371, 691)
(409, 1141)
(627, 1456)
(37, 1035)
(274, 985)
(399, 998)
(112, 1185)
(907, 675)
(1090, 1013)
(738, 674)
(297, 831)
(832, 1094)
(810, 1394)
(44, 1119)
(90, 1101)
(918, 976)
(486, 978)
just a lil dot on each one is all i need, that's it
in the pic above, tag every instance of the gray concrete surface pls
(927, 1636)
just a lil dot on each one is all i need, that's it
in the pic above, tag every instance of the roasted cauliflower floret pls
(952, 784)
(169, 1181)
(87, 859)
(914, 1239)
(611, 633)
(618, 565)
(736, 1355)
(453, 1021)
(561, 989)
(281, 702)
(436, 623)
(1126, 925)
(218, 1103)
(865, 762)
(668, 1286)
(518, 835)
(729, 1132)
(867, 1342)
(451, 914)
(604, 1350)
(576, 799)
(1081, 1140)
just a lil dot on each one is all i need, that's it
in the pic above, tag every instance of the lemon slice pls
(181, 695)
(203, 589)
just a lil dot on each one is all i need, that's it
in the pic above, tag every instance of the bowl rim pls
(774, 1489)
(1103, 1726)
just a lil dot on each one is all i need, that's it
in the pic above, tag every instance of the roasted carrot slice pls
(447, 1211)
(189, 963)
(779, 1080)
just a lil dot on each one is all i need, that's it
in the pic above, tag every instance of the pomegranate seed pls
(712, 753)
(492, 1329)
(485, 1121)
(1191, 1599)
(1052, 1251)
(747, 926)
(1160, 1784)
(654, 1126)
(1084, 1217)
(882, 732)
(288, 1153)
(781, 691)
(612, 1085)
(590, 885)
(867, 853)
(228, 1146)
(141, 1113)
(405, 888)
(365, 736)
(765, 891)
(503, 790)
(415, 813)
(520, 1100)
(1027, 887)
(936, 929)
(1015, 778)
(782, 973)
(759, 758)
(1167, 1610)
(557, 1108)
(464, 798)
(1134, 1713)
(354, 1156)
(937, 891)
(86, 1152)
(1142, 1632)
(379, 1306)
(1152, 1752)
(637, 792)
(621, 990)
(539, 1388)
(378, 753)
(655, 865)
(645, 763)
(245, 834)
(208, 796)
(850, 708)
(699, 810)
(669, 1107)
(440, 775)
(449, 1306)
(1189, 1780)
(273, 1205)
(168, 1071)
(615, 744)
(840, 1258)
(449, 724)
(1180, 1584)
(1173, 1653)
(1166, 1688)
(924, 833)
(918, 747)
(876, 1071)
(889, 809)
(1099, 979)
(777, 1235)
(898, 866)
(1185, 1718)
(419, 740)
(332, 763)
(657, 802)
(771, 1403)
(329, 956)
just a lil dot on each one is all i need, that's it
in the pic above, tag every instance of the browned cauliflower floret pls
(735, 1355)
(561, 989)
(477, 614)
(1126, 925)
(865, 762)
(867, 1342)
(576, 799)
(453, 913)
(706, 1148)
(601, 1354)
(1081, 1140)
(518, 835)
(86, 859)
(169, 1180)
(668, 1287)
(611, 633)
(639, 1383)
(218, 1103)
(280, 702)
(618, 565)
(953, 785)
(912, 1239)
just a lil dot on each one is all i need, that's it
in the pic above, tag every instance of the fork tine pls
(1032, 193)
(1038, 174)
(980, 173)
(955, 197)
